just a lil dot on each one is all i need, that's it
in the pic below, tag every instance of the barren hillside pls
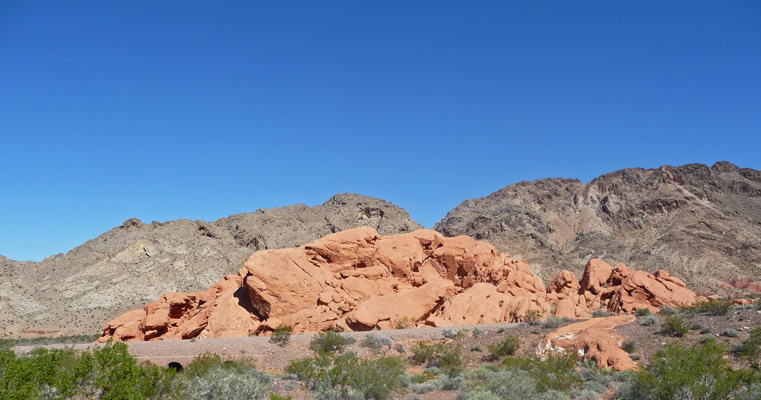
(700, 223)
(78, 292)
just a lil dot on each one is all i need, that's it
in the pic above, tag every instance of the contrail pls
(58, 57)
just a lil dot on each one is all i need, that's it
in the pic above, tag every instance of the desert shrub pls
(674, 326)
(750, 350)
(399, 348)
(668, 310)
(552, 323)
(425, 387)
(108, 373)
(275, 396)
(477, 331)
(532, 317)
(328, 342)
(696, 327)
(635, 357)
(677, 372)
(376, 342)
(281, 335)
(343, 376)
(506, 347)
(730, 333)
(476, 347)
(228, 382)
(501, 330)
(648, 321)
(404, 323)
(452, 364)
(600, 314)
(554, 373)
(629, 346)
(708, 338)
(714, 307)
(425, 351)
(377, 378)
(506, 384)
(450, 334)
(642, 312)
(705, 330)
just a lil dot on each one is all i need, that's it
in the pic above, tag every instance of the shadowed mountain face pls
(700, 223)
(128, 266)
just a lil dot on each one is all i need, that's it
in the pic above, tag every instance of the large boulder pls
(594, 339)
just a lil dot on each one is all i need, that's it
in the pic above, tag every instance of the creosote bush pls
(507, 347)
(714, 307)
(678, 372)
(642, 312)
(674, 326)
(629, 346)
(328, 342)
(344, 376)
(281, 335)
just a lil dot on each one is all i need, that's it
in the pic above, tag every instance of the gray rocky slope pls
(700, 223)
(133, 264)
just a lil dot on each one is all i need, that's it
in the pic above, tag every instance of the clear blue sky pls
(166, 110)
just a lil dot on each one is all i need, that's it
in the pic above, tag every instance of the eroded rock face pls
(594, 339)
(359, 280)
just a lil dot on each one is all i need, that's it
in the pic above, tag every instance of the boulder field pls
(358, 280)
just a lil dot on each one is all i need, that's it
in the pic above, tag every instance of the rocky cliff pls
(135, 263)
(698, 222)
(359, 280)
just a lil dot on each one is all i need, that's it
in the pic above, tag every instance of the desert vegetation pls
(375, 369)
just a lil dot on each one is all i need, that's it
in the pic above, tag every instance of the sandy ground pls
(266, 355)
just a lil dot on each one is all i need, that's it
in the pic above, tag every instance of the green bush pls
(730, 333)
(228, 382)
(677, 372)
(451, 362)
(648, 321)
(642, 312)
(328, 342)
(714, 307)
(674, 326)
(554, 373)
(600, 314)
(507, 347)
(476, 347)
(629, 346)
(425, 351)
(533, 317)
(552, 323)
(376, 342)
(750, 350)
(281, 335)
(668, 310)
(345, 376)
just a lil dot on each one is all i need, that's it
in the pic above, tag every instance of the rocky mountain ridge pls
(135, 263)
(700, 223)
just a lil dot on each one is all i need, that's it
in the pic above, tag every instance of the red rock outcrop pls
(594, 339)
(359, 280)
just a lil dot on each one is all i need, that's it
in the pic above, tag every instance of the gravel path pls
(268, 356)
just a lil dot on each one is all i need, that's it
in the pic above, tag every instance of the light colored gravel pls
(267, 355)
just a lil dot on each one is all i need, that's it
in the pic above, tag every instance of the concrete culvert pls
(174, 365)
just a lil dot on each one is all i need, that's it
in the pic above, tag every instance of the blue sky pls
(167, 110)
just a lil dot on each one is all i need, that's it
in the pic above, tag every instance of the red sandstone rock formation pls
(594, 339)
(358, 280)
